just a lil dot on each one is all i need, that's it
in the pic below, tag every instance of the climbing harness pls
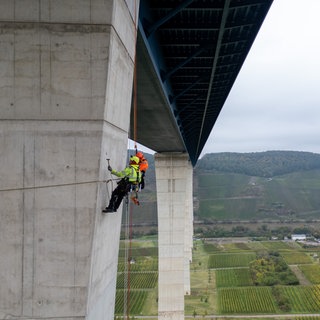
(135, 189)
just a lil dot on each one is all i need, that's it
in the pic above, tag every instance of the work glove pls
(109, 168)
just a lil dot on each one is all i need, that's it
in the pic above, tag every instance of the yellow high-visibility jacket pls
(131, 172)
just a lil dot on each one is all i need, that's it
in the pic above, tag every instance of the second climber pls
(130, 180)
(143, 166)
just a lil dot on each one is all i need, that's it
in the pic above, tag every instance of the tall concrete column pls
(173, 172)
(65, 94)
(188, 245)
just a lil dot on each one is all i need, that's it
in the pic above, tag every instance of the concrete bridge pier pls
(174, 198)
(188, 229)
(65, 97)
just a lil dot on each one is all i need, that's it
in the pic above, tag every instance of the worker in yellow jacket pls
(130, 180)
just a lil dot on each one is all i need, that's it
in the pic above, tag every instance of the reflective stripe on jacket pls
(132, 173)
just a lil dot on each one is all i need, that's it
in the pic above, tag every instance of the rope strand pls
(135, 111)
(129, 214)
(125, 274)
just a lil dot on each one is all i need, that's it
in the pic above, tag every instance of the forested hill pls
(260, 164)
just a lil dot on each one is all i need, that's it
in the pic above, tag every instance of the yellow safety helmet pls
(134, 160)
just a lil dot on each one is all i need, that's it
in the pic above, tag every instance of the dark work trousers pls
(119, 193)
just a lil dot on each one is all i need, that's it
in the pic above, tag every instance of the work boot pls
(108, 210)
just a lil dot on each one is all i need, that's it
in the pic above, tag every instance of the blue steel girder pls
(189, 53)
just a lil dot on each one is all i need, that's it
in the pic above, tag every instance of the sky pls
(274, 103)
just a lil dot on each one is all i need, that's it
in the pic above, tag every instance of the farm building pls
(298, 237)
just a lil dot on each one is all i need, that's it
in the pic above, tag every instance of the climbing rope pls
(128, 254)
(135, 108)
(130, 258)
(125, 274)
(129, 207)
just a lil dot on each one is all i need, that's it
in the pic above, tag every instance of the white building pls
(298, 237)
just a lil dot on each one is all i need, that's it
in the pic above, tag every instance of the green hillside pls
(262, 186)
(233, 196)
(261, 164)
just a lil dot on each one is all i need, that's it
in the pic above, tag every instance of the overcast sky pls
(275, 101)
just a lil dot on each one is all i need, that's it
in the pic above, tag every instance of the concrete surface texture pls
(174, 199)
(65, 91)
(188, 244)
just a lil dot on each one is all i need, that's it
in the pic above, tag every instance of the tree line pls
(261, 164)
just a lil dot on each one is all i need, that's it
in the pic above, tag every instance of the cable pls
(135, 109)
(125, 274)
(129, 259)
(128, 214)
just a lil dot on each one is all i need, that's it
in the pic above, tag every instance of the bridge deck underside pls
(189, 54)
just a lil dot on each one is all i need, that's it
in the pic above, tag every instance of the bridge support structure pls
(65, 92)
(174, 198)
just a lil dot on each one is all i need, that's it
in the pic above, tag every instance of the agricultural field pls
(229, 260)
(239, 277)
(222, 281)
(137, 290)
(312, 272)
(246, 300)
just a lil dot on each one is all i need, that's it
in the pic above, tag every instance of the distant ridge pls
(260, 164)
(229, 186)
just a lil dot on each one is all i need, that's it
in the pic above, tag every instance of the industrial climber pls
(143, 166)
(130, 181)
